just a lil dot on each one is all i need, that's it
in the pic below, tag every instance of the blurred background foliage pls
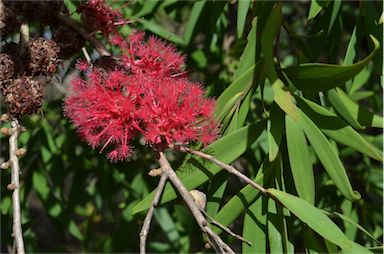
(75, 200)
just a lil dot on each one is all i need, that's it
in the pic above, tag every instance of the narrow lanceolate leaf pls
(350, 56)
(275, 128)
(299, 160)
(250, 55)
(364, 117)
(215, 192)
(313, 217)
(193, 20)
(241, 85)
(196, 171)
(327, 156)
(311, 242)
(255, 227)
(314, 77)
(335, 128)
(242, 11)
(267, 36)
(284, 99)
(162, 32)
(245, 197)
(355, 224)
(241, 111)
(338, 104)
(314, 9)
(275, 228)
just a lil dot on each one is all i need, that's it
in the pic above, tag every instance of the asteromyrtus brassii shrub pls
(145, 95)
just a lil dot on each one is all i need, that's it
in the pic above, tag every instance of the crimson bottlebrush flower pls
(111, 108)
(99, 16)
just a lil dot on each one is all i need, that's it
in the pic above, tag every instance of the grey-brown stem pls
(215, 241)
(15, 183)
(148, 218)
(227, 167)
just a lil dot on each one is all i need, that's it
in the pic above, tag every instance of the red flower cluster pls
(147, 97)
(99, 16)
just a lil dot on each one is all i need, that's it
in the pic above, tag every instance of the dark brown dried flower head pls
(7, 68)
(23, 96)
(13, 50)
(69, 41)
(43, 11)
(8, 21)
(43, 57)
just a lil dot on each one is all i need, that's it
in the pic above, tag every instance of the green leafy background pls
(299, 95)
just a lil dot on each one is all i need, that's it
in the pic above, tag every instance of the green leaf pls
(314, 77)
(255, 227)
(364, 117)
(6, 204)
(327, 156)
(168, 226)
(313, 217)
(147, 8)
(40, 184)
(267, 36)
(299, 160)
(241, 112)
(249, 55)
(242, 11)
(193, 20)
(355, 224)
(284, 99)
(215, 192)
(342, 109)
(350, 54)
(337, 129)
(195, 172)
(275, 228)
(229, 110)
(315, 8)
(336, 4)
(303, 51)
(312, 244)
(241, 85)
(275, 131)
(161, 32)
(74, 230)
(245, 197)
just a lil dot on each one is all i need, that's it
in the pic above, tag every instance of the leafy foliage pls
(299, 98)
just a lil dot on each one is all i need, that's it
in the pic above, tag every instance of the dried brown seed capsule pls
(5, 131)
(43, 11)
(4, 118)
(43, 56)
(23, 96)
(69, 41)
(13, 50)
(11, 186)
(21, 152)
(5, 165)
(8, 20)
(7, 67)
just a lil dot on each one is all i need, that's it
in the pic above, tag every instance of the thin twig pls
(15, 185)
(84, 33)
(215, 241)
(226, 167)
(218, 224)
(86, 55)
(147, 221)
